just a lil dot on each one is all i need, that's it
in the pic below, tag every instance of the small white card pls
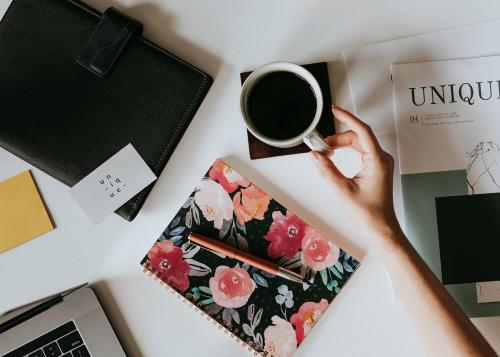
(112, 184)
(488, 291)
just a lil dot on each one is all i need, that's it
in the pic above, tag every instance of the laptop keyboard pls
(63, 341)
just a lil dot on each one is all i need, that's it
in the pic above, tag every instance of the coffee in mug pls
(282, 104)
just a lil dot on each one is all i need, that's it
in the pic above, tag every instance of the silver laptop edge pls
(84, 309)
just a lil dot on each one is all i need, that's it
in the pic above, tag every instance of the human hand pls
(367, 197)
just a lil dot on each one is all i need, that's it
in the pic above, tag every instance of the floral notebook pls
(269, 315)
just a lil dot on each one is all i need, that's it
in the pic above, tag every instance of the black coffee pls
(282, 105)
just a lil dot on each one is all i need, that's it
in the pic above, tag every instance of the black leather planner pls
(76, 86)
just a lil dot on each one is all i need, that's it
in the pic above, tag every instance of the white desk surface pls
(225, 37)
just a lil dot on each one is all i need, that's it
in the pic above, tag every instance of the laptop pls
(69, 324)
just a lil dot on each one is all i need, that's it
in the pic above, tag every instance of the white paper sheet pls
(488, 291)
(447, 118)
(368, 68)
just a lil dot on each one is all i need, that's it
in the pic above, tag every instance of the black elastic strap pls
(107, 41)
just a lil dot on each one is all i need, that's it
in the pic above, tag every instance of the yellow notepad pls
(22, 213)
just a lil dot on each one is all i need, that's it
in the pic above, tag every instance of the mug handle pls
(316, 142)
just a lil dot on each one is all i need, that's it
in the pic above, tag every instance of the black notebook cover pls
(469, 237)
(67, 119)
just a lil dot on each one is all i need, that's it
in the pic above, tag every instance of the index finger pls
(365, 134)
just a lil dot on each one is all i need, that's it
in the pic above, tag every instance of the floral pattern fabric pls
(271, 314)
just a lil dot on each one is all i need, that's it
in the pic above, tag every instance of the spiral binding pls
(199, 308)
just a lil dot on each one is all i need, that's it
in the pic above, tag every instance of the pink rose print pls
(229, 179)
(231, 287)
(250, 203)
(166, 259)
(307, 316)
(285, 235)
(318, 253)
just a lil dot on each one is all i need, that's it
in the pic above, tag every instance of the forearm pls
(440, 323)
(367, 198)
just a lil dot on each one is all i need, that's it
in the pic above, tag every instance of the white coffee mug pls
(310, 136)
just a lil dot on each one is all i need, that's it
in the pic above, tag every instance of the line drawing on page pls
(483, 169)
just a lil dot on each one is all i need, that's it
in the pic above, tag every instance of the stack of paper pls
(370, 81)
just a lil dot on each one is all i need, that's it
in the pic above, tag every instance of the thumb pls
(329, 171)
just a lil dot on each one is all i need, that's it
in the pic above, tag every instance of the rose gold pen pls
(244, 257)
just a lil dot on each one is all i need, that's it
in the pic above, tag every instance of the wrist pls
(388, 237)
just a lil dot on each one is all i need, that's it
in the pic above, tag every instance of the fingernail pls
(315, 156)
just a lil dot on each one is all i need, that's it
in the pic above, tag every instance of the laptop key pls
(43, 340)
(81, 351)
(37, 353)
(52, 350)
(70, 341)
